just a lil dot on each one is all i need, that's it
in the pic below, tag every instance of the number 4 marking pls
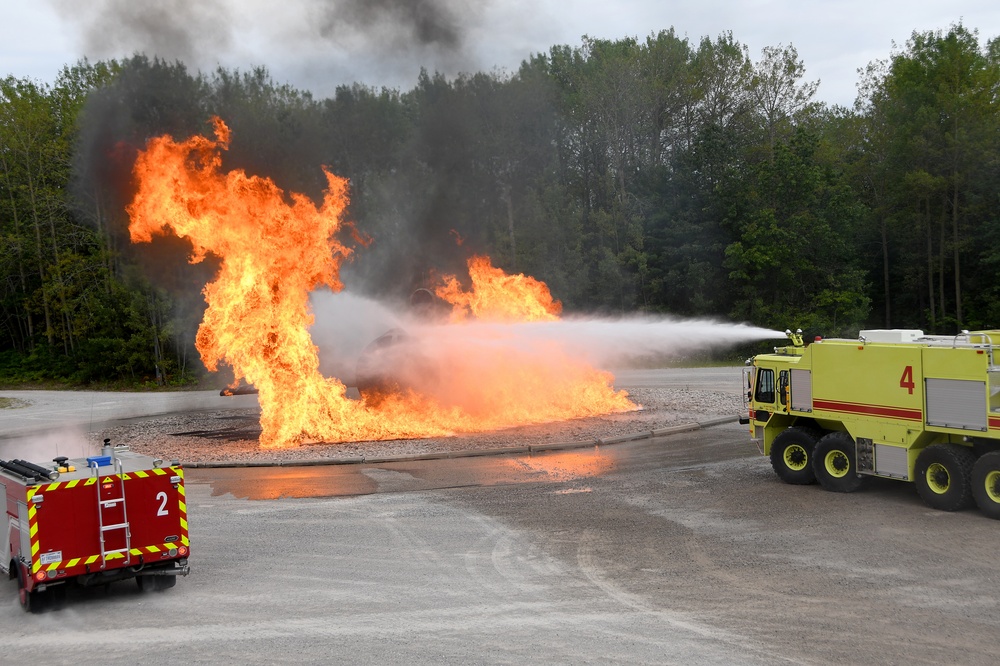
(906, 381)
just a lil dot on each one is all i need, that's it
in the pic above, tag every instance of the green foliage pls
(659, 175)
(932, 146)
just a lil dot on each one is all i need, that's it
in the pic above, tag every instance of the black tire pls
(986, 484)
(943, 475)
(835, 463)
(23, 595)
(791, 455)
(31, 602)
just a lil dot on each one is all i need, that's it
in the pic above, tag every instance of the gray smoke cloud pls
(170, 29)
(416, 21)
(312, 44)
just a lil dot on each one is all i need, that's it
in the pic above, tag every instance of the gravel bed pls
(230, 435)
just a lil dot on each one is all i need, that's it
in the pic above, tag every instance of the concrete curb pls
(470, 453)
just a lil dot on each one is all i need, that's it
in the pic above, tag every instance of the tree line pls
(660, 175)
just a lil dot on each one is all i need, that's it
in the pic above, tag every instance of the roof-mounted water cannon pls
(795, 337)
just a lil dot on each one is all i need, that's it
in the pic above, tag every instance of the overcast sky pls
(319, 44)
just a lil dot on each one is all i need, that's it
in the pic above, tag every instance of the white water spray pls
(346, 323)
(610, 342)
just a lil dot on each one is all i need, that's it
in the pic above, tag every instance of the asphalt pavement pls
(48, 411)
(682, 549)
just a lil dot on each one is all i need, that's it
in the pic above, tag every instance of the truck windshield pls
(765, 386)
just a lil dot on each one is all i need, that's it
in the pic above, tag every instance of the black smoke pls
(424, 22)
(315, 44)
(170, 29)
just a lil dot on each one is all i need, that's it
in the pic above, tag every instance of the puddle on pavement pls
(263, 483)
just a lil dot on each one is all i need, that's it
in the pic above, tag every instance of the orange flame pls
(273, 253)
(496, 296)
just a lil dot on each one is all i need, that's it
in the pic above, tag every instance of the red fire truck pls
(93, 521)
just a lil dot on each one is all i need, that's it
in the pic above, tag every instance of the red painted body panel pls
(62, 537)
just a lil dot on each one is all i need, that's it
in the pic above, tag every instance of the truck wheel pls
(835, 464)
(943, 476)
(31, 601)
(23, 595)
(986, 484)
(791, 454)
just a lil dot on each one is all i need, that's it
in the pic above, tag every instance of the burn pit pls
(229, 436)
(273, 254)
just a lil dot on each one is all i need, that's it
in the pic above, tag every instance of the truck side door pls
(763, 394)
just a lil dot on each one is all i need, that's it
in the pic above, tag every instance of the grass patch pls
(12, 403)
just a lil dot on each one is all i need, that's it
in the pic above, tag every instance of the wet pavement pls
(258, 483)
(672, 550)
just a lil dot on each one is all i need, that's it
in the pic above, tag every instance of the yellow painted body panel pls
(864, 374)
(878, 392)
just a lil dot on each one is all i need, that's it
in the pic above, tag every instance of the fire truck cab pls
(92, 521)
(896, 404)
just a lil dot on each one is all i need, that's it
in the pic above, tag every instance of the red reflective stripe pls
(869, 410)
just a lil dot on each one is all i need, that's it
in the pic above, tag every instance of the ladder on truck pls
(103, 505)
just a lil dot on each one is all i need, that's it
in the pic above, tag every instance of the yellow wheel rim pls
(837, 464)
(796, 458)
(938, 479)
(993, 486)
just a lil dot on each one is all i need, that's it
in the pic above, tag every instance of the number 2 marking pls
(906, 381)
(162, 496)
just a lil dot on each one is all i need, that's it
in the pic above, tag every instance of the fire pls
(496, 296)
(275, 249)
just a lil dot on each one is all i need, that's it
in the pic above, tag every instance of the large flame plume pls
(274, 250)
(496, 296)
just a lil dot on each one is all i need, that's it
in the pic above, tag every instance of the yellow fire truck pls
(893, 403)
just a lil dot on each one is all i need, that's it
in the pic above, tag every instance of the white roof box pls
(891, 335)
